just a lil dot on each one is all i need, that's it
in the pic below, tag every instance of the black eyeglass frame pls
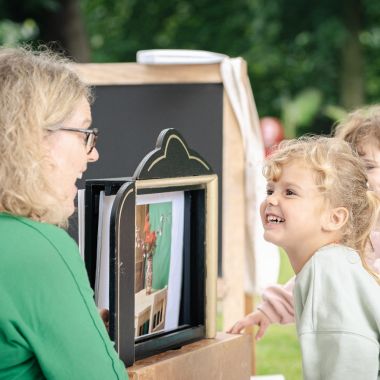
(93, 131)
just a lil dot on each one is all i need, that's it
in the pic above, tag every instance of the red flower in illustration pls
(150, 236)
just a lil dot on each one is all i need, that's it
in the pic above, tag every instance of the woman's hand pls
(256, 318)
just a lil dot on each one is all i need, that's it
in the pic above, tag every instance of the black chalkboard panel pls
(129, 118)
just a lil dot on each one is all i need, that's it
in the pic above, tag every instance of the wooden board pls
(224, 358)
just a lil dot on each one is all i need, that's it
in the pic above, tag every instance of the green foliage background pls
(292, 49)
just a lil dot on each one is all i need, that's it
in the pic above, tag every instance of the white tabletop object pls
(178, 57)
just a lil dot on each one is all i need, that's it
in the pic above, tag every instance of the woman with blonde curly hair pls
(49, 325)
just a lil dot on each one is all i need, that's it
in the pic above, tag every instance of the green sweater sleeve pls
(50, 327)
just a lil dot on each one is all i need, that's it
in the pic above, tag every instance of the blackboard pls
(130, 117)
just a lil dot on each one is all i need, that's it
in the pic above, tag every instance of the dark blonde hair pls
(38, 90)
(360, 126)
(340, 177)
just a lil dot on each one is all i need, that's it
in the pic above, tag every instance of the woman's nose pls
(93, 155)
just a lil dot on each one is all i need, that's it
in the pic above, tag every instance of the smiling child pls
(320, 210)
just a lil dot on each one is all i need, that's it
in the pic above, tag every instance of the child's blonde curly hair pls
(341, 178)
(360, 126)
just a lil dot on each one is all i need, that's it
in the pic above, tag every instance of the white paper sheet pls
(176, 256)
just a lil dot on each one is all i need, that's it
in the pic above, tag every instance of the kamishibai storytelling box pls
(151, 250)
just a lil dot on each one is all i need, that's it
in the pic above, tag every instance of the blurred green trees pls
(57, 23)
(307, 61)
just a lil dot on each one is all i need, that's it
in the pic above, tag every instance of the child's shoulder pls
(336, 266)
(337, 271)
(336, 254)
(329, 258)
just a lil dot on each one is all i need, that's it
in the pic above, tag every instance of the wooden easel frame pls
(233, 232)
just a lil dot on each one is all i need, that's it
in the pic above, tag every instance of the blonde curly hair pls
(360, 126)
(38, 90)
(340, 177)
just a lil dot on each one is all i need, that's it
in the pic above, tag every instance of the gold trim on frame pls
(184, 147)
(210, 184)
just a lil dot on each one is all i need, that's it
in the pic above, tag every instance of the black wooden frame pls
(171, 166)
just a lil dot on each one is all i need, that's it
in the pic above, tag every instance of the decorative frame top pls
(171, 158)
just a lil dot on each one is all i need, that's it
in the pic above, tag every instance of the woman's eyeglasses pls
(91, 136)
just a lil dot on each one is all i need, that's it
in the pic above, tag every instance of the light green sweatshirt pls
(49, 325)
(337, 304)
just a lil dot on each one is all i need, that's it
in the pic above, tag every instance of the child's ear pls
(336, 219)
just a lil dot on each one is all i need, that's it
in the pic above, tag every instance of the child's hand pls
(256, 318)
(105, 315)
